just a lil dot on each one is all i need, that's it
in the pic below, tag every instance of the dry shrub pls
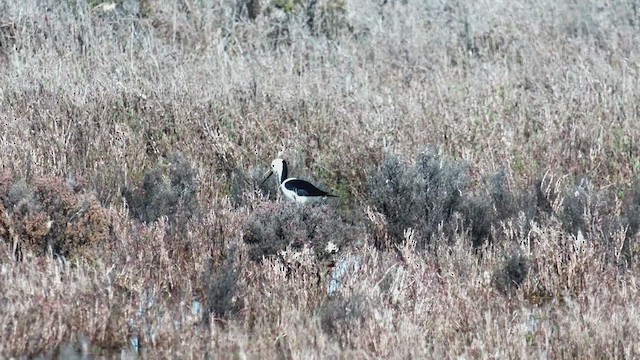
(64, 303)
(182, 24)
(53, 214)
(631, 222)
(329, 18)
(434, 198)
(7, 35)
(601, 216)
(7, 39)
(578, 206)
(494, 205)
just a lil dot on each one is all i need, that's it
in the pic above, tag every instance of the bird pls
(300, 191)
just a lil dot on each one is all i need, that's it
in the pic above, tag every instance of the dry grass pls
(124, 125)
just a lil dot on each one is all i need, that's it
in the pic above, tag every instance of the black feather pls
(304, 188)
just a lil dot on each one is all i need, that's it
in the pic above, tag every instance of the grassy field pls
(485, 154)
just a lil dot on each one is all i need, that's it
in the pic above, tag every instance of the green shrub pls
(422, 197)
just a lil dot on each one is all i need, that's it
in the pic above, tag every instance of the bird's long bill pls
(267, 177)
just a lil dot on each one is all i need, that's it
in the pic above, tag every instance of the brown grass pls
(97, 100)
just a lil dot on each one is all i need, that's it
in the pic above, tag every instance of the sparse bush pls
(273, 227)
(53, 214)
(588, 212)
(8, 33)
(479, 217)
(396, 189)
(445, 183)
(167, 190)
(328, 18)
(502, 198)
(544, 196)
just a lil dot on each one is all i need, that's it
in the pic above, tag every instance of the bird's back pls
(302, 191)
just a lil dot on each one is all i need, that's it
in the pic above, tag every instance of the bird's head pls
(278, 167)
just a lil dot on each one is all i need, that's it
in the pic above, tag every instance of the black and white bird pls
(300, 191)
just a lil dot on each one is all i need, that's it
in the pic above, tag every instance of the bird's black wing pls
(304, 188)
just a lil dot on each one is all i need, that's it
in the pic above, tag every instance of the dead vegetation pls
(485, 157)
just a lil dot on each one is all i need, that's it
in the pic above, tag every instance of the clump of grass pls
(274, 227)
(167, 190)
(512, 273)
(51, 214)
